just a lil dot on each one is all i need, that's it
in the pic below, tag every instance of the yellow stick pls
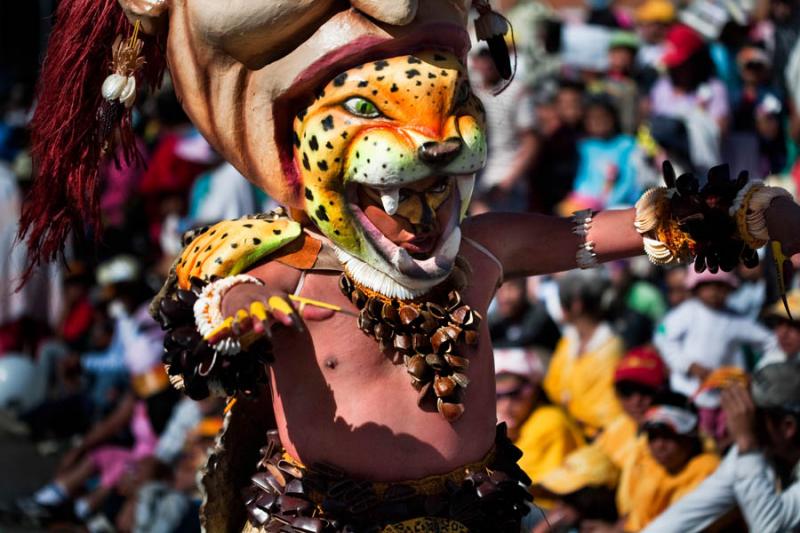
(317, 303)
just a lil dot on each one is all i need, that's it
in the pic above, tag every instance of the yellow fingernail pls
(219, 330)
(258, 310)
(279, 304)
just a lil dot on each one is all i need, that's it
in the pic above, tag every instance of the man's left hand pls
(740, 414)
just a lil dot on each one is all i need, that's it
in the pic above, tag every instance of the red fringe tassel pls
(67, 147)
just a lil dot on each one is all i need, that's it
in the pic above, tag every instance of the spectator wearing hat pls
(673, 465)
(583, 488)
(690, 91)
(786, 328)
(541, 430)
(639, 378)
(759, 473)
(581, 373)
(619, 81)
(701, 334)
(653, 18)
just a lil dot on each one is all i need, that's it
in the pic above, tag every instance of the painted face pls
(387, 154)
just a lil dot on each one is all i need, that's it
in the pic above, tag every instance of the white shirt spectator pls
(744, 480)
(695, 333)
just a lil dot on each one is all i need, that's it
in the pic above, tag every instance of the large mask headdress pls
(317, 102)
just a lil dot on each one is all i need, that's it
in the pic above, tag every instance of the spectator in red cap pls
(691, 91)
(640, 376)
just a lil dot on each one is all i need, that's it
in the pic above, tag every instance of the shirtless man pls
(362, 120)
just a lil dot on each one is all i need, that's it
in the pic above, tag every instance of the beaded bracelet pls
(749, 209)
(664, 242)
(586, 257)
(208, 312)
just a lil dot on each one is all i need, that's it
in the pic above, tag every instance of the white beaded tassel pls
(586, 257)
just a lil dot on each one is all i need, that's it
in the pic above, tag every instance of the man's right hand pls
(256, 308)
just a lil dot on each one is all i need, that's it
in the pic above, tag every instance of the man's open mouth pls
(420, 252)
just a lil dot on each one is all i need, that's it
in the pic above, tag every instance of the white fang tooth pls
(390, 198)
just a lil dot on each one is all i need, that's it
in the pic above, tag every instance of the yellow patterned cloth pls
(427, 525)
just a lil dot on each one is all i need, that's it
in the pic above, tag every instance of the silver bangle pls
(586, 257)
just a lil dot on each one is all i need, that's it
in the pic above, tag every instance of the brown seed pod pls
(444, 386)
(389, 313)
(436, 311)
(453, 300)
(417, 367)
(461, 379)
(346, 285)
(402, 341)
(423, 388)
(435, 361)
(471, 337)
(374, 307)
(420, 342)
(429, 322)
(358, 298)
(365, 323)
(441, 341)
(450, 411)
(382, 331)
(454, 332)
(408, 314)
(459, 363)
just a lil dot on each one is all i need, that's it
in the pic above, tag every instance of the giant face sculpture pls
(362, 116)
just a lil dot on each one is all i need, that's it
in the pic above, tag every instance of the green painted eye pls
(361, 107)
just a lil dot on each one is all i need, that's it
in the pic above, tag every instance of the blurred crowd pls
(643, 398)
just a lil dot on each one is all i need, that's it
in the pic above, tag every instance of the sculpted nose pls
(440, 153)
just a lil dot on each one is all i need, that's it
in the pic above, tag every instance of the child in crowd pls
(701, 335)
(541, 430)
(606, 176)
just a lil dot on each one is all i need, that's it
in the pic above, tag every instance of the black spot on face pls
(381, 78)
(374, 92)
(339, 80)
(295, 139)
(328, 145)
(443, 73)
(302, 114)
(414, 59)
(321, 213)
(322, 164)
(412, 73)
(344, 135)
(309, 195)
(276, 231)
(419, 83)
(313, 144)
(363, 83)
(394, 88)
(306, 164)
(320, 93)
(327, 123)
(256, 241)
(247, 225)
(431, 75)
(380, 65)
(234, 246)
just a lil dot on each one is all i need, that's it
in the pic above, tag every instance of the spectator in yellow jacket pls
(543, 432)
(581, 373)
